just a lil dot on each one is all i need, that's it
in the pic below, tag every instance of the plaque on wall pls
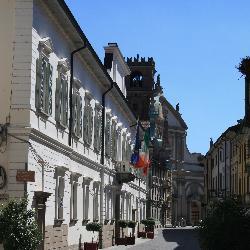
(26, 176)
(3, 177)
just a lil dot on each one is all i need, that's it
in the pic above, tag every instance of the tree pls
(227, 226)
(18, 227)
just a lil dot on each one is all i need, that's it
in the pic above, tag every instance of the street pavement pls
(167, 239)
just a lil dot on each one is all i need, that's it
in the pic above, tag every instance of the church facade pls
(187, 173)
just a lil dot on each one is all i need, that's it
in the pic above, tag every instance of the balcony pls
(124, 172)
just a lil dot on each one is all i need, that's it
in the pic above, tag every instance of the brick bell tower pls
(140, 85)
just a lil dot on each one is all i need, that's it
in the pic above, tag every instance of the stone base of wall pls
(74, 247)
(108, 234)
(56, 237)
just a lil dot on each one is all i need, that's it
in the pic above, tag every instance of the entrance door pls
(195, 213)
(133, 219)
(40, 199)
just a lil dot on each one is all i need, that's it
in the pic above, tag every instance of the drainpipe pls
(103, 120)
(71, 89)
(218, 178)
(102, 157)
(225, 158)
(230, 170)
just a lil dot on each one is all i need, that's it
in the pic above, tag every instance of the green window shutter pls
(90, 125)
(65, 102)
(123, 146)
(43, 72)
(74, 113)
(99, 131)
(95, 129)
(113, 143)
(38, 83)
(48, 90)
(58, 100)
(80, 116)
(77, 129)
(107, 136)
(85, 123)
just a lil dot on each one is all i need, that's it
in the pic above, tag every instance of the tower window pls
(136, 79)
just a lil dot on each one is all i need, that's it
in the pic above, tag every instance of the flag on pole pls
(144, 154)
(140, 156)
(135, 155)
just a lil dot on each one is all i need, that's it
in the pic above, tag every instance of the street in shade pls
(172, 239)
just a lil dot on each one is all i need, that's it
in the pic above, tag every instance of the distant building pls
(227, 163)
(146, 99)
(187, 172)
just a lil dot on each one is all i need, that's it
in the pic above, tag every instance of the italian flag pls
(143, 159)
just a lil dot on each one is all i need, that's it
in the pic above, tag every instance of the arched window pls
(136, 79)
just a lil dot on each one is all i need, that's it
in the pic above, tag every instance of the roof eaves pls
(72, 19)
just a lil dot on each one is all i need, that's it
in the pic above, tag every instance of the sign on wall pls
(26, 176)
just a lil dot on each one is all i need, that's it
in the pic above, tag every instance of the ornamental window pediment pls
(46, 46)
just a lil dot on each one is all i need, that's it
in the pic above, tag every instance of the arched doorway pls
(195, 213)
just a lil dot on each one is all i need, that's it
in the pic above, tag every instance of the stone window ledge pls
(85, 221)
(73, 221)
(58, 222)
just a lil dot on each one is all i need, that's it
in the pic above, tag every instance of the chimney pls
(108, 59)
(247, 101)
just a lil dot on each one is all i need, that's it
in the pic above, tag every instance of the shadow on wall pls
(187, 239)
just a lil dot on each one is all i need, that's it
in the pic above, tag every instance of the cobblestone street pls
(168, 239)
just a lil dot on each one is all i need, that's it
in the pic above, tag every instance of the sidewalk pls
(138, 241)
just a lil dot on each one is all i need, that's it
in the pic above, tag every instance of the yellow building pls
(227, 163)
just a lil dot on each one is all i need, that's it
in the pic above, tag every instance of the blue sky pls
(195, 44)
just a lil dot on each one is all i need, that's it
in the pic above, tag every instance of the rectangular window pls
(77, 114)
(74, 201)
(221, 156)
(220, 181)
(248, 149)
(44, 72)
(114, 140)
(73, 198)
(128, 150)
(212, 163)
(60, 193)
(85, 187)
(124, 146)
(95, 203)
(97, 129)
(87, 122)
(61, 99)
(107, 135)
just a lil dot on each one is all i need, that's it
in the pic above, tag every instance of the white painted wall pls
(21, 34)
(7, 20)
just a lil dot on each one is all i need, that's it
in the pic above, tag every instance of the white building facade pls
(74, 182)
